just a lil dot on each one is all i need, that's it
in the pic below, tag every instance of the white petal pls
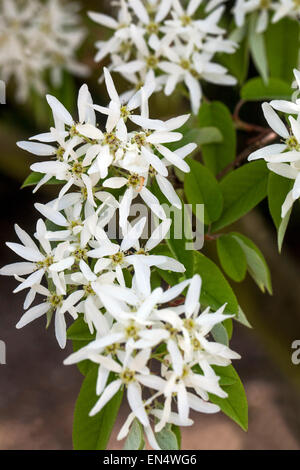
(106, 396)
(274, 121)
(59, 110)
(33, 314)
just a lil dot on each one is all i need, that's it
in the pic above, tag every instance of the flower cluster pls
(164, 43)
(147, 328)
(78, 269)
(37, 37)
(284, 158)
(276, 9)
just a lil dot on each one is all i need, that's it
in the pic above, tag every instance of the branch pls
(265, 138)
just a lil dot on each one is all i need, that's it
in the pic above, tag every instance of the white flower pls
(39, 261)
(266, 9)
(166, 37)
(37, 37)
(283, 159)
(52, 305)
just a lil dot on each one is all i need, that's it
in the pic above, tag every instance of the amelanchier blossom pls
(166, 43)
(77, 271)
(144, 322)
(284, 158)
(38, 37)
(267, 10)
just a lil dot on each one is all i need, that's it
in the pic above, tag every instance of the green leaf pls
(167, 439)
(256, 90)
(34, 178)
(278, 188)
(242, 190)
(218, 155)
(178, 242)
(282, 45)
(232, 257)
(215, 291)
(93, 433)
(197, 135)
(176, 431)
(219, 334)
(237, 63)
(257, 265)
(258, 49)
(235, 406)
(79, 331)
(241, 318)
(282, 229)
(201, 187)
(135, 438)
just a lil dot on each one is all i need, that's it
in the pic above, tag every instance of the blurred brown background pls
(38, 393)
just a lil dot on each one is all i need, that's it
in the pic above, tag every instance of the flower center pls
(88, 289)
(264, 4)
(46, 263)
(55, 300)
(152, 28)
(77, 169)
(152, 61)
(111, 140)
(127, 376)
(292, 143)
(80, 253)
(118, 258)
(186, 20)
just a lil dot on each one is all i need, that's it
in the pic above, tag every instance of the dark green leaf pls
(256, 90)
(257, 265)
(232, 257)
(215, 291)
(235, 406)
(93, 433)
(201, 187)
(282, 46)
(278, 188)
(258, 48)
(242, 190)
(217, 156)
(79, 331)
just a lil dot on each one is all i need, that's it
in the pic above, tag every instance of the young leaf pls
(282, 229)
(135, 438)
(235, 406)
(232, 257)
(242, 190)
(34, 178)
(256, 90)
(256, 262)
(219, 334)
(201, 187)
(278, 188)
(92, 433)
(282, 46)
(242, 319)
(218, 155)
(258, 49)
(167, 439)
